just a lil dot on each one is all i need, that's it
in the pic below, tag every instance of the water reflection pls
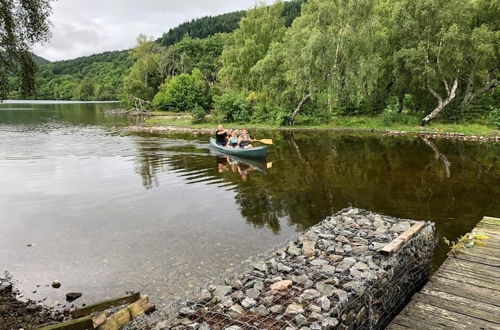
(314, 175)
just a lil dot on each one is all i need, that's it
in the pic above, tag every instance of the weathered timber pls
(464, 293)
(103, 305)
(126, 314)
(99, 319)
(393, 246)
(82, 323)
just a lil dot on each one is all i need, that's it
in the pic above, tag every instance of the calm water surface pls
(108, 213)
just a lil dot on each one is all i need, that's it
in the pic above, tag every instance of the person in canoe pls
(244, 140)
(233, 140)
(221, 136)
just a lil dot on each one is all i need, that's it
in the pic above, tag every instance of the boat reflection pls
(240, 165)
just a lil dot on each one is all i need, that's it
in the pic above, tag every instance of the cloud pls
(85, 27)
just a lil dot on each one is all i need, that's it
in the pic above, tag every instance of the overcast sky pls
(85, 27)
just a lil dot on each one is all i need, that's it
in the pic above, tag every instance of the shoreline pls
(167, 129)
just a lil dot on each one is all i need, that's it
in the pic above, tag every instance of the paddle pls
(265, 141)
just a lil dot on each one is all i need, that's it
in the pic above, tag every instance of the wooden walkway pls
(464, 293)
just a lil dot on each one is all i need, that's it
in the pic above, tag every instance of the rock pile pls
(449, 136)
(332, 276)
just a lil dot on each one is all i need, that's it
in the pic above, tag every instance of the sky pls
(85, 27)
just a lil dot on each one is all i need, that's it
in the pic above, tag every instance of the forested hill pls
(95, 77)
(100, 76)
(207, 26)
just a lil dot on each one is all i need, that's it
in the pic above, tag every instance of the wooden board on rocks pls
(464, 293)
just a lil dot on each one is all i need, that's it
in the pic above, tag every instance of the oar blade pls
(266, 141)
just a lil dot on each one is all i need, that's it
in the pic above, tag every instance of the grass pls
(408, 124)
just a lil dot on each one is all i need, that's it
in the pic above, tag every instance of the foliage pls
(198, 114)
(207, 26)
(183, 92)
(22, 24)
(232, 106)
(145, 75)
(105, 71)
(494, 118)
(261, 27)
(466, 241)
(190, 53)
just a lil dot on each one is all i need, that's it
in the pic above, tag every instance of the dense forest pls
(307, 62)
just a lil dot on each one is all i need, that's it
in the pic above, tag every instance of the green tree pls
(86, 90)
(448, 49)
(183, 93)
(22, 24)
(260, 27)
(145, 75)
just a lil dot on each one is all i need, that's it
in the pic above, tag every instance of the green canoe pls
(253, 153)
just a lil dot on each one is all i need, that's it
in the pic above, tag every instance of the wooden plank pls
(491, 220)
(466, 266)
(103, 305)
(470, 322)
(140, 306)
(479, 307)
(99, 319)
(467, 291)
(415, 229)
(462, 306)
(478, 259)
(486, 281)
(413, 317)
(392, 247)
(117, 320)
(83, 323)
(127, 314)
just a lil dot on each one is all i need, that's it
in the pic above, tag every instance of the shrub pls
(233, 107)
(183, 92)
(198, 114)
(494, 117)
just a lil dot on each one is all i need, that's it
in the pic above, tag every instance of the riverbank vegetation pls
(402, 63)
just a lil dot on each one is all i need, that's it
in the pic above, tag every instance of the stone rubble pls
(324, 279)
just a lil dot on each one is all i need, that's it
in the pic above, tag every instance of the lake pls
(107, 213)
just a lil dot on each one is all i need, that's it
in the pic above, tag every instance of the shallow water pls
(108, 213)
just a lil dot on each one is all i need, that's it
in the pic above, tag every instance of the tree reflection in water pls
(314, 175)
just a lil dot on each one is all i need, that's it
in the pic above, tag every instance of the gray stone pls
(360, 266)
(308, 284)
(186, 311)
(314, 308)
(325, 289)
(267, 300)
(300, 319)
(277, 309)
(205, 295)
(260, 265)
(248, 302)
(220, 291)
(236, 309)
(237, 295)
(293, 250)
(300, 279)
(283, 268)
(319, 262)
(360, 249)
(259, 285)
(5, 287)
(341, 294)
(323, 302)
(351, 286)
(347, 248)
(329, 323)
(316, 316)
(260, 310)
(252, 293)
(294, 309)
(204, 326)
(233, 327)
(193, 326)
(355, 273)
(226, 301)
(310, 294)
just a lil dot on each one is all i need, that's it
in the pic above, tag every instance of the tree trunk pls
(401, 99)
(470, 95)
(451, 93)
(297, 109)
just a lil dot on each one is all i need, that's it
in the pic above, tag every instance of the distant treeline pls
(407, 61)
